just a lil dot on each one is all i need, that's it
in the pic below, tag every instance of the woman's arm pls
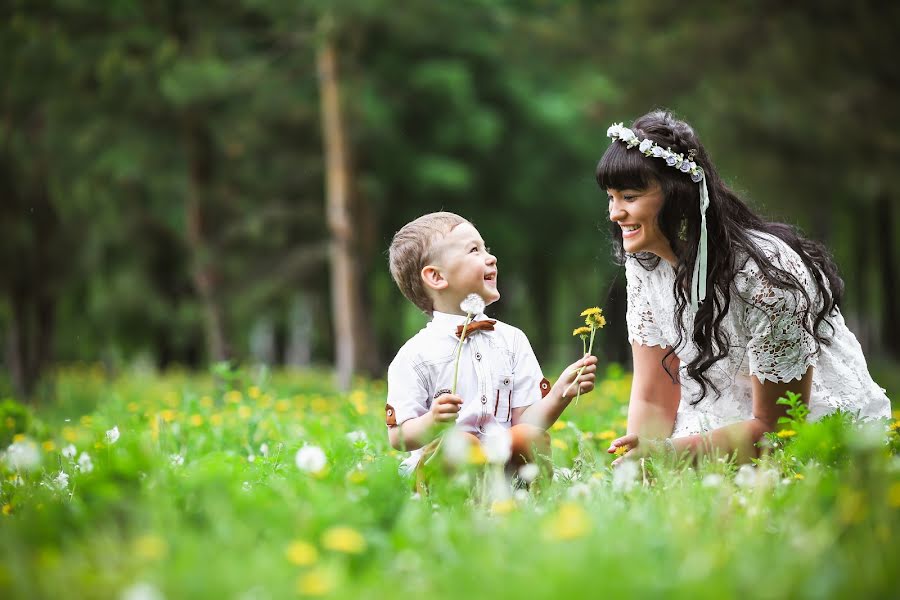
(654, 396)
(739, 438)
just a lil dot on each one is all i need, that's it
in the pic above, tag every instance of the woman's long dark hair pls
(730, 226)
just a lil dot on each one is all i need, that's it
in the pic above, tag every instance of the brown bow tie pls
(486, 325)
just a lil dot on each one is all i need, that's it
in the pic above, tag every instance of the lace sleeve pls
(780, 348)
(642, 326)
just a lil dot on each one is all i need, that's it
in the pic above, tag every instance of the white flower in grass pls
(176, 460)
(579, 491)
(112, 436)
(84, 463)
(625, 476)
(142, 591)
(529, 472)
(61, 481)
(22, 456)
(497, 445)
(456, 447)
(563, 474)
(358, 438)
(746, 477)
(246, 486)
(311, 459)
(712, 480)
(264, 449)
(69, 451)
(251, 458)
(473, 304)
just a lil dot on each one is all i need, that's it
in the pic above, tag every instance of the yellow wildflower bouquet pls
(593, 320)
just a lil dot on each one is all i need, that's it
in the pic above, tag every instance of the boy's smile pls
(467, 266)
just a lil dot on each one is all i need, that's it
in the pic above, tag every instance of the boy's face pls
(467, 266)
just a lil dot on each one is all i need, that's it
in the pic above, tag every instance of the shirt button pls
(484, 399)
(481, 429)
(478, 356)
(506, 381)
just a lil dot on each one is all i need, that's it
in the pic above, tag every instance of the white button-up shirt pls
(498, 372)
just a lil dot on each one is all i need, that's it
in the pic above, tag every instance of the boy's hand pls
(585, 380)
(445, 409)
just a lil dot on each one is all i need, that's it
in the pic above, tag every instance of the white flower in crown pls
(685, 166)
(671, 158)
(657, 151)
(646, 146)
(473, 304)
(614, 130)
(627, 135)
(697, 175)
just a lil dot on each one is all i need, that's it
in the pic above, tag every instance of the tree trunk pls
(345, 288)
(890, 325)
(205, 277)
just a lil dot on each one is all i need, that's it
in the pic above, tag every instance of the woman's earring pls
(682, 230)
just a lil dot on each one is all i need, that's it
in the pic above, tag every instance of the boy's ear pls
(433, 278)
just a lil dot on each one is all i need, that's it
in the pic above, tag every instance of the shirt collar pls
(446, 323)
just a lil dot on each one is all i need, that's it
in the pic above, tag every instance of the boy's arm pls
(544, 412)
(414, 433)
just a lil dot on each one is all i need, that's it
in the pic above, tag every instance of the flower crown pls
(648, 147)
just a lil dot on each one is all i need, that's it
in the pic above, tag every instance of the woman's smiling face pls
(635, 211)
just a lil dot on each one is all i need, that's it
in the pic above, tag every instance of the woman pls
(726, 312)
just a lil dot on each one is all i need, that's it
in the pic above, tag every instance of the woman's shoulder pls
(775, 250)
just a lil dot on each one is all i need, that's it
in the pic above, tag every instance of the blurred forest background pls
(186, 182)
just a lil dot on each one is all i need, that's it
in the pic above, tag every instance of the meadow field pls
(258, 484)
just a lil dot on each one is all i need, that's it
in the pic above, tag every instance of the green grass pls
(821, 519)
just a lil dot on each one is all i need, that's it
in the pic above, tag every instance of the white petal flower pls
(358, 438)
(746, 477)
(613, 131)
(456, 447)
(626, 135)
(69, 451)
(625, 476)
(22, 456)
(84, 463)
(712, 480)
(141, 591)
(311, 459)
(658, 152)
(61, 481)
(112, 436)
(497, 445)
(579, 491)
(646, 145)
(264, 449)
(473, 304)
(176, 460)
(529, 472)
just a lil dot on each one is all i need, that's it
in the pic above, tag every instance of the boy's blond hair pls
(411, 250)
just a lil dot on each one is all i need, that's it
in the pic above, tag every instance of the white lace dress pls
(767, 340)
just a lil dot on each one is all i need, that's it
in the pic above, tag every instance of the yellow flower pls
(581, 331)
(503, 507)
(476, 455)
(344, 539)
(893, 495)
(571, 521)
(254, 392)
(786, 433)
(87, 420)
(356, 476)
(19, 437)
(196, 420)
(150, 547)
(244, 411)
(301, 553)
(10, 422)
(234, 397)
(620, 450)
(558, 426)
(168, 415)
(895, 425)
(206, 402)
(593, 317)
(215, 419)
(559, 444)
(799, 476)
(316, 582)
(7, 509)
(283, 405)
(48, 446)
(132, 407)
(608, 435)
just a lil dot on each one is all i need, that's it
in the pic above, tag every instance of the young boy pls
(437, 261)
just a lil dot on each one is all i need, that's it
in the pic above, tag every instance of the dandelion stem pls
(578, 374)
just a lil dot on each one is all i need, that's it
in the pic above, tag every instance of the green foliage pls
(14, 419)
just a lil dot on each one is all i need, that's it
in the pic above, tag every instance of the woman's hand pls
(637, 447)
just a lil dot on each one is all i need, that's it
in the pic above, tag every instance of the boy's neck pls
(448, 306)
